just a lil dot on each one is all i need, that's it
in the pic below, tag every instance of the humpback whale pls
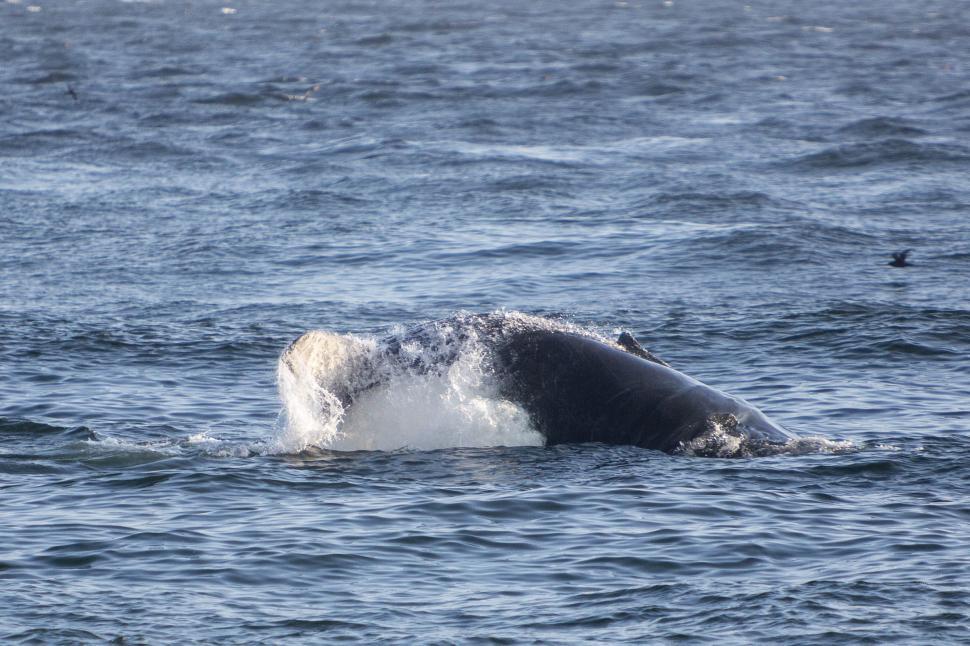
(575, 385)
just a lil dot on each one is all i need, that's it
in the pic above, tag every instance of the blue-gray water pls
(726, 180)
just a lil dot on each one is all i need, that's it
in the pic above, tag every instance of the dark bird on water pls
(71, 91)
(899, 259)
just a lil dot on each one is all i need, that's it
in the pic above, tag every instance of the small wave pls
(240, 99)
(440, 26)
(873, 468)
(715, 202)
(419, 69)
(304, 199)
(880, 331)
(81, 444)
(772, 245)
(153, 150)
(215, 447)
(882, 127)
(547, 89)
(539, 249)
(953, 97)
(54, 635)
(474, 153)
(956, 255)
(375, 41)
(37, 141)
(50, 77)
(165, 71)
(15, 425)
(525, 183)
(656, 89)
(597, 68)
(889, 151)
(906, 346)
(101, 446)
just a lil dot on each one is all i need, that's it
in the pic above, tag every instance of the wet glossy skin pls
(578, 389)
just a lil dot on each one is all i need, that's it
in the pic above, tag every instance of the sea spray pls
(310, 374)
(348, 392)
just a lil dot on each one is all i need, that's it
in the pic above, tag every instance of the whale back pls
(573, 385)
(579, 389)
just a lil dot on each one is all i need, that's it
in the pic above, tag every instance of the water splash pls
(310, 374)
(722, 442)
(427, 392)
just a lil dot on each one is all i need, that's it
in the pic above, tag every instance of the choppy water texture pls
(725, 180)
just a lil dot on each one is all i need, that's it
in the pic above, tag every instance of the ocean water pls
(187, 187)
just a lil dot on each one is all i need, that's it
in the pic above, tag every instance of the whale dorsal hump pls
(631, 345)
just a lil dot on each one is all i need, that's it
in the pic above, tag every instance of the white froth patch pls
(106, 445)
(435, 411)
(720, 443)
(308, 376)
(892, 447)
(433, 396)
(222, 448)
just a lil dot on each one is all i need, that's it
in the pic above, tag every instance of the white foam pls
(881, 446)
(223, 448)
(435, 392)
(721, 443)
(308, 376)
(106, 445)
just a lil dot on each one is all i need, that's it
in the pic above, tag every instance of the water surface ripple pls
(186, 188)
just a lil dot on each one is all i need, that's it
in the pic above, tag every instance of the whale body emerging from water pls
(574, 385)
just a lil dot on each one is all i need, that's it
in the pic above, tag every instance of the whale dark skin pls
(579, 389)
